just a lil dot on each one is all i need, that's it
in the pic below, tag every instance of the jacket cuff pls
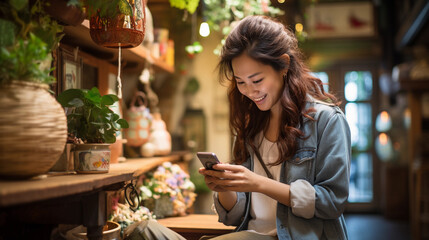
(302, 199)
(233, 216)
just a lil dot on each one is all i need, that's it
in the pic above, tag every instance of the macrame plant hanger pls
(118, 78)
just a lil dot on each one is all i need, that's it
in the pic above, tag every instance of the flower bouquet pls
(124, 216)
(167, 191)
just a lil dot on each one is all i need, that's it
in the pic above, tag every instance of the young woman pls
(289, 177)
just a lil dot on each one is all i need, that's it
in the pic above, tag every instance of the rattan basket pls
(33, 130)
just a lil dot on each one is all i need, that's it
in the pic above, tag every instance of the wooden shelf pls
(53, 185)
(79, 36)
(414, 85)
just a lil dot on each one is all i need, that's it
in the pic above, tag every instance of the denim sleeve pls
(235, 216)
(332, 166)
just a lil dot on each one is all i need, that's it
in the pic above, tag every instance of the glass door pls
(355, 87)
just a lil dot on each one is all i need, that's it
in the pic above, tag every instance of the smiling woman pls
(281, 116)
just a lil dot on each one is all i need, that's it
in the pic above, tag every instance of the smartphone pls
(208, 159)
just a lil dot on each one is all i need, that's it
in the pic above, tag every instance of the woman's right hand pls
(210, 178)
(226, 197)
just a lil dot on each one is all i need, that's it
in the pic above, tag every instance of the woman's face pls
(260, 83)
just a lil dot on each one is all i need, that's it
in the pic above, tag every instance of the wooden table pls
(194, 226)
(71, 198)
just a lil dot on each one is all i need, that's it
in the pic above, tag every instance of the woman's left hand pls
(234, 178)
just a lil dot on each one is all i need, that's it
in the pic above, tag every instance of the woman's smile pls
(257, 100)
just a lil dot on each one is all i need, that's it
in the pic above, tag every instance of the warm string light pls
(204, 29)
(299, 27)
(383, 138)
(383, 122)
(384, 116)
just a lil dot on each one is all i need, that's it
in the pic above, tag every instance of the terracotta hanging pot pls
(125, 28)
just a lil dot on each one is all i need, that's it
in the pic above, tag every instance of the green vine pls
(188, 5)
(222, 14)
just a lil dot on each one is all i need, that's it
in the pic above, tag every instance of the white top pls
(263, 208)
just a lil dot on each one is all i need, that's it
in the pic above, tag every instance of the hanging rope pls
(118, 78)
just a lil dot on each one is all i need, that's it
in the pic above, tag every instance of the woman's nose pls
(251, 90)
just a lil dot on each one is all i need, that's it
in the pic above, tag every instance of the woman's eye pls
(258, 81)
(240, 83)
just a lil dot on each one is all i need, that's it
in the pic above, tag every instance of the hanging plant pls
(222, 14)
(193, 49)
(188, 5)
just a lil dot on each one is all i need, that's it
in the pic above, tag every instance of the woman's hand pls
(234, 178)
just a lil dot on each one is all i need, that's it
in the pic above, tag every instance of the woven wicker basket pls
(33, 130)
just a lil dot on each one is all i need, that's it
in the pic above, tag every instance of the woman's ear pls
(285, 57)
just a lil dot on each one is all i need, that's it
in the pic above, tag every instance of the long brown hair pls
(267, 40)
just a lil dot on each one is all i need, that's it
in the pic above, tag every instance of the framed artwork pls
(69, 74)
(341, 20)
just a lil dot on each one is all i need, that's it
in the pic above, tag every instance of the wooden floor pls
(376, 227)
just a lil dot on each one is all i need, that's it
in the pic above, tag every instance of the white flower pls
(188, 185)
(176, 168)
(145, 192)
(166, 164)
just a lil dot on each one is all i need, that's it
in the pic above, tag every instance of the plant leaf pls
(66, 97)
(125, 7)
(107, 100)
(75, 102)
(93, 96)
(123, 123)
(7, 30)
(18, 4)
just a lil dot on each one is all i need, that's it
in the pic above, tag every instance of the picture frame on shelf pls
(69, 73)
(341, 20)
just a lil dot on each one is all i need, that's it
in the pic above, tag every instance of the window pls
(358, 110)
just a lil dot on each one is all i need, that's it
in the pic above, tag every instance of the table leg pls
(95, 232)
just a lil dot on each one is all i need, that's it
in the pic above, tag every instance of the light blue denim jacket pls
(323, 160)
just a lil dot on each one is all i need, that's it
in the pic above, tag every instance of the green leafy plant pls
(108, 8)
(91, 119)
(188, 5)
(221, 15)
(28, 35)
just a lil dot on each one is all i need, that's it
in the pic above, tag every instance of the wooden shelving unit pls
(79, 36)
(418, 168)
(54, 185)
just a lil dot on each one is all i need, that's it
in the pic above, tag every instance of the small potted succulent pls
(92, 126)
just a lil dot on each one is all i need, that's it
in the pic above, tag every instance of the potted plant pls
(93, 127)
(33, 127)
